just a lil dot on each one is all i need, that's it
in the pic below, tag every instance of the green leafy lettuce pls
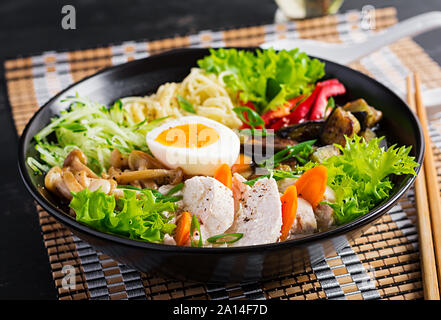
(137, 215)
(266, 78)
(360, 176)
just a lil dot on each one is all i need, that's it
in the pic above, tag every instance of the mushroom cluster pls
(139, 169)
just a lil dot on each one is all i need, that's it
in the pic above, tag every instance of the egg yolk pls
(188, 136)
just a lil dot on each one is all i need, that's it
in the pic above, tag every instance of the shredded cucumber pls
(94, 129)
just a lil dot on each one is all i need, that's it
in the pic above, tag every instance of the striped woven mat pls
(381, 264)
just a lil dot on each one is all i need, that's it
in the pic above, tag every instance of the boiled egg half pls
(197, 145)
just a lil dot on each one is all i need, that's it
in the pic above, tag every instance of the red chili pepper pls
(301, 112)
(282, 111)
(277, 113)
(298, 114)
(280, 123)
(321, 101)
(311, 108)
(250, 105)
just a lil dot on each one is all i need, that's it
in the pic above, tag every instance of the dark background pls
(29, 27)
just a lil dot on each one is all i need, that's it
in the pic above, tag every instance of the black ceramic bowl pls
(142, 77)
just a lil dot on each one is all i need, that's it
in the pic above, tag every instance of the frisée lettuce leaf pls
(361, 175)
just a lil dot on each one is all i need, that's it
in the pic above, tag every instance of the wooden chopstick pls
(426, 244)
(431, 178)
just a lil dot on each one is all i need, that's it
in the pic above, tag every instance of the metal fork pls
(347, 53)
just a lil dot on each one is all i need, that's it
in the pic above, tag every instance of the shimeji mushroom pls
(165, 176)
(77, 161)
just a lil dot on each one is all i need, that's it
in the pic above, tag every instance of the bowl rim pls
(71, 223)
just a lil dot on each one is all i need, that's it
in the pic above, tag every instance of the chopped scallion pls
(218, 238)
(193, 227)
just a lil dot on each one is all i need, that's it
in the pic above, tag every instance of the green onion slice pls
(193, 227)
(126, 186)
(330, 105)
(171, 198)
(276, 175)
(254, 119)
(175, 189)
(215, 239)
(185, 104)
(298, 150)
(147, 126)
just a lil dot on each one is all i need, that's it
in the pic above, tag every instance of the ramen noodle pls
(206, 92)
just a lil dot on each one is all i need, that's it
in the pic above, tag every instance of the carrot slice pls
(289, 210)
(182, 231)
(242, 164)
(311, 185)
(223, 175)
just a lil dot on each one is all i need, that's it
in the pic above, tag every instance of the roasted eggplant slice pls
(302, 132)
(260, 148)
(250, 143)
(367, 116)
(339, 123)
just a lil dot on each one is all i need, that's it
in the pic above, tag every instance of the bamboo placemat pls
(381, 264)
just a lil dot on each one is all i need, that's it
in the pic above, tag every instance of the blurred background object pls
(300, 9)
(35, 26)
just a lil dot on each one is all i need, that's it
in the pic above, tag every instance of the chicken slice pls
(305, 222)
(259, 217)
(211, 202)
(239, 190)
(169, 240)
(324, 214)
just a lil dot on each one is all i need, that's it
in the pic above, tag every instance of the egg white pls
(196, 161)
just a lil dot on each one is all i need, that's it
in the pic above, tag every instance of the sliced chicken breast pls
(259, 217)
(305, 222)
(239, 190)
(324, 214)
(211, 202)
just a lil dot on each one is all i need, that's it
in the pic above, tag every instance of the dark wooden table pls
(28, 27)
